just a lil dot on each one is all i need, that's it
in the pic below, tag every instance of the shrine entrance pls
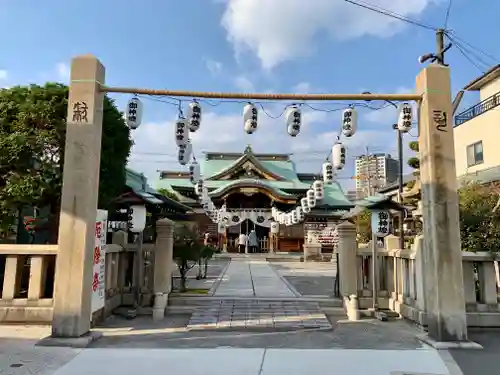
(247, 225)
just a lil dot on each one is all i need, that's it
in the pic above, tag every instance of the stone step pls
(190, 303)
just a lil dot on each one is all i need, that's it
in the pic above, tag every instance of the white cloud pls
(155, 148)
(280, 30)
(63, 72)
(303, 88)
(243, 83)
(213, 66)
(4, 76)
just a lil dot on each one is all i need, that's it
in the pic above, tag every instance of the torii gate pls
(442, 248)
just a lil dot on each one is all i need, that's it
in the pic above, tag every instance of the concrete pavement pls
(251, 296)
(251, 278)
(365, 347)
(225, 361)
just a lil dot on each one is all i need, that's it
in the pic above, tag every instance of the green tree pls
(479, 217)
(186, 252)
(364, 226)
(413, 162)
(32, 141)
(169, 194)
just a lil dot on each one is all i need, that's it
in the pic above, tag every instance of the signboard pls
(99, 266)
(380, 223)
(321, 233)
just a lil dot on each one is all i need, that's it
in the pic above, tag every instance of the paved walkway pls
(251, 278)
(225, 361)
(258, 314)
(254, 296)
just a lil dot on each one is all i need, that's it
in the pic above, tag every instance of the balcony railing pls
(480, 108)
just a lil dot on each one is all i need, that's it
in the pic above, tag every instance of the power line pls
(486, 54)
(465, 53)
(177, 103)
(447, 16)
(391, 14)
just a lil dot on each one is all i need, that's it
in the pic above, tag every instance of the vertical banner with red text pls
(99, 267)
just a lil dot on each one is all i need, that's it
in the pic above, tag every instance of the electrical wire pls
(447, 16)
(470, 52)
(177, 103)
(389, 13)
(451, 33)
(464, 53)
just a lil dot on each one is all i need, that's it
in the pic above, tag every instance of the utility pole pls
(438, 56)
(440, 47)
(400, 185)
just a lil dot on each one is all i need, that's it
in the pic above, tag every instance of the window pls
(475, 154)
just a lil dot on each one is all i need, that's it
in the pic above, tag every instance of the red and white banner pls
(99, 260)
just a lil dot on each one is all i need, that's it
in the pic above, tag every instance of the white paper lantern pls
(134, 113)
(293, 121)
(184, 153)
(304, 204)
(137, 218)
(199, 188)
(295, 217)
(319, 191)
(349, 122)
(300, 214)
(327, 173)
(405, 118)
(181, 132)
(193, 116)
(311, 198)
(288, 219)
(275, 227)
(250, 118)
(194, 172)
(338, 156)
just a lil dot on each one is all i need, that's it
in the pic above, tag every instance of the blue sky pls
(245, 45)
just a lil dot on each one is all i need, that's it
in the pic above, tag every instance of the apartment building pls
(374, 172)
(477, 129)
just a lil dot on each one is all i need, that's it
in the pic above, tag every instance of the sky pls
(295, 46)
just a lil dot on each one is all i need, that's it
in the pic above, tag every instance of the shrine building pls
(250, 184)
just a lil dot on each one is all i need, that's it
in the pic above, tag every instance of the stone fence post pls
(348, 268)
(163, 266)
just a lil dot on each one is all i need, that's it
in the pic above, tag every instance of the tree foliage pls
(364, 227)
(479, 220)
(413, 162)
(169, 194)
(187, 251)
(32, 141)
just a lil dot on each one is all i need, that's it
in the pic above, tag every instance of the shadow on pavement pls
(482, 361)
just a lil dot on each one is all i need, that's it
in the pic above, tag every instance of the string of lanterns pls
(185, 125)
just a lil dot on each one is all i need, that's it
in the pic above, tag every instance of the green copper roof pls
(279, 165)
(285, 169)
(139, 184)
(334, 196)
(250, 182)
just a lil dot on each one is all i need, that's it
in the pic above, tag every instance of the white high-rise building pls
(374, 172)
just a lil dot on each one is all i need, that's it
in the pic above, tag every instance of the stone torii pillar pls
(442, 256)
(82, 157)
